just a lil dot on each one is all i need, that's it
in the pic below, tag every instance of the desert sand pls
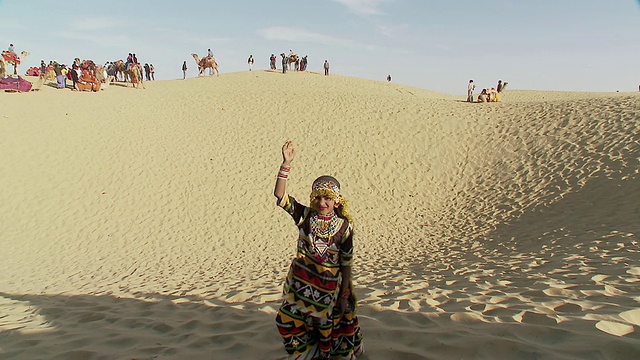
(141, 223)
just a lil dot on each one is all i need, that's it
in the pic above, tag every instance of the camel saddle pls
(10, 57)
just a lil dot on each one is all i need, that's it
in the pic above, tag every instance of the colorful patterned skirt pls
(306, 337)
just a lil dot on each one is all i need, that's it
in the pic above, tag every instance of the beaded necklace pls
(323, 227)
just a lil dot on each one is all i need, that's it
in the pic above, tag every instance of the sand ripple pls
(139, 224)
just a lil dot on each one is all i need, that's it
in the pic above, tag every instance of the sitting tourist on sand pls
(493, 95)
(483, 97)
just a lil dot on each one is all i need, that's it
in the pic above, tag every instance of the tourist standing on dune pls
(272, 62)
(470, 88)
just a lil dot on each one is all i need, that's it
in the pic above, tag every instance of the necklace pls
(323, 227)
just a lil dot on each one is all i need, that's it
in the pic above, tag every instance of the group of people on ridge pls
(85, 75)
(490, 95)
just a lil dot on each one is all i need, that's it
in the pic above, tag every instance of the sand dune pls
(141, 224)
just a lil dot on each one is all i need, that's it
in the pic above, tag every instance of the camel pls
(88, 82)
(121, 68)
(134, 72)
(207, 62)
(12, 58)
(294, 59)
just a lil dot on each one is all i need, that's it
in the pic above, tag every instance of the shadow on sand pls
(108, 327)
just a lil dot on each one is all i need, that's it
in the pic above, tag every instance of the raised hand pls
(288, 152)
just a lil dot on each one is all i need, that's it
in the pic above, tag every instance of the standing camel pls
(134, 72)
(295, 60)
(12, 58)
(207, 62)
(121, 69)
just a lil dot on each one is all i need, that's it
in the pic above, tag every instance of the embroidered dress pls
(308, 320)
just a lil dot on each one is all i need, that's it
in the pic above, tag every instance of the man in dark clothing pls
(147, 72)
(284, 63)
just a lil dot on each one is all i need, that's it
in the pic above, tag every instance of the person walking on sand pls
(153, 72)
(499, 87)
(388, 78)
(317, 318)
(250, 62)
(326, 68)
(184, 70)
(470, 88)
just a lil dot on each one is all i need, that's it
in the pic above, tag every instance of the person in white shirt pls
(250, 62)
(470, 90)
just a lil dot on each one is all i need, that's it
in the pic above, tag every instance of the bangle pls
(283, 173)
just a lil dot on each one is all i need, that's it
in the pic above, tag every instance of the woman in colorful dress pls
(317, 317)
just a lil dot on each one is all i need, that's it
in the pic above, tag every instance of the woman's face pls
(324, 205)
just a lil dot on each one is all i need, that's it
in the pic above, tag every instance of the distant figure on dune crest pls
(501, 86)
(210, 55)
(250, 62)
(184, 70)
(470, 88)
(326, 68)
(317, 318)
(388, 78)
(285, 62)
(272, 62)
(43, 69)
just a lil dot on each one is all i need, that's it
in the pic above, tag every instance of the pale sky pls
(438, 45)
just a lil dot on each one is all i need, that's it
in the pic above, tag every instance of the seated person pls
(483, 97)
(492, 94)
